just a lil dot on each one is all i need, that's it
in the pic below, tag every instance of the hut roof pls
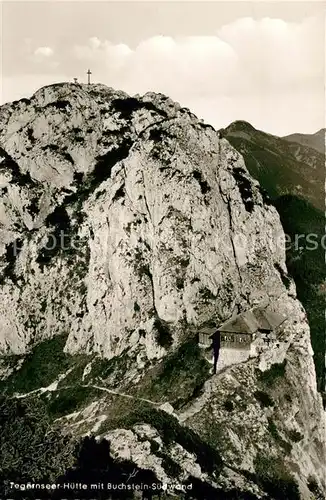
(243, 323)
(208, 330)
(253, 320)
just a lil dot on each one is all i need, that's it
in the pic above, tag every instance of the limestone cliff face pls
(149, 213)
(123, 221)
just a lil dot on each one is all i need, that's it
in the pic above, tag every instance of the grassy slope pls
(272, 162)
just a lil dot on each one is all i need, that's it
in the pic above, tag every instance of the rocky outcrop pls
(126, 222)
(129, 216)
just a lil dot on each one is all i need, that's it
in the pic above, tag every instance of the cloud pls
(42, 57)
(247, 70)
(243, 56)
(267, 71)
(276, 54)
(44, 52)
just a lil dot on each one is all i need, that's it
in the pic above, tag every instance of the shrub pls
(228, 405)
(276, 371)
(30, 135)
(244, 186)
(126, 107)
(60, 104)
(295, 436)
(25, 101)
(68, 157)
(106, 162)
(272, 476)
(277, 437)
(164, 336)
(204, 186)
(12, 252)
(284, 277)
(171, 467)
(18, 177)
(264, 399)
(314, 488)
(206, 294)
(102, 368)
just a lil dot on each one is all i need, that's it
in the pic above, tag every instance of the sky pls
(263, 62)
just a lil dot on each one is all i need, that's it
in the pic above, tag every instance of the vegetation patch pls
(171, 467)
(19, 178)
(206, 295)
(120, 193)
(244, 186)
(12, 252)
(228, 405)
(157, 134)
(295, 436)
(30, 135)
(314, 488)
(204, 491)
(164, 335)
(41, 366)
(59, 219)
(25, 101)
(78, 363)
(67, 156)
(178, 378)
(271, 376)
(272, 476)
(70, 399)
(272, 163)
(94, 465)
(64, 241)
(29, 448)
(106, 162)
(33, 206)
(284, 277)
(102, 369)
(126, 107)
(170, 432)
(204, 186)
(264, 399)
(307, 266)
(60, 104)
(51, 147)
(277, 437)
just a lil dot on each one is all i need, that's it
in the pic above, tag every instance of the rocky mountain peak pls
(125, 225)
(158, 200)
(240, 125)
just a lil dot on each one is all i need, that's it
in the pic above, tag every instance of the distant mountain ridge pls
(293, 176)
(281, 166)
(315, 141)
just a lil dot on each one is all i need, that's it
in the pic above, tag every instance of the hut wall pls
(236, 341)
(231, 356)
(204, 340)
